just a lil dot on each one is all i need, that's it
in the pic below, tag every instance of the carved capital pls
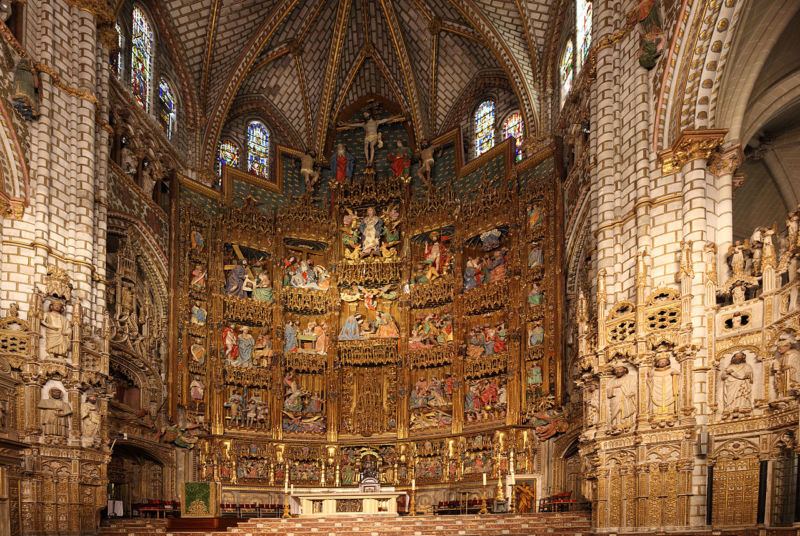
(725, 162)
(102, 12)
(690, 145)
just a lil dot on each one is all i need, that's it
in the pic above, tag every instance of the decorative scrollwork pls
(437, 292)
(431, 357)
(487, 298)
(247, 311)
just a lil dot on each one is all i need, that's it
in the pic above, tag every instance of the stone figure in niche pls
(400, 159)
(739, 292)
(792, 225)
(290, 337)
(198, 352)
(55, 413)
(308, 170)
(57, 330)
(197, 389)
(199, 314)
(737, 256)
(786, 367)
(737, 387)
(371, 228)
(426, 162)
(662, 383)
(372, 137)
(237, 277)
(591, 404)
(199, 277)
(341, 164)
(90, 420)
(621, 398)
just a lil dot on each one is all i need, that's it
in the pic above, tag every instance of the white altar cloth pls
(344, 501)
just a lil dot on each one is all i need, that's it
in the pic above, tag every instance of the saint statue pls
(786, 368)
(663, 386)
(621, 398)
(372, 137)
(400, 159)
(55, 413)
(341, 164)
(737, 387)
(90, 420)
(57, 330)
(246, 342)
(237, 276)
(371, 228)
(197, 389)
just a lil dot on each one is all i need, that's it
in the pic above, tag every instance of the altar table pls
(341, 501)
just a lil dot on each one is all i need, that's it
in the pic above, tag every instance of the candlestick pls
(412, 506)
(483, 510)
(286, 512)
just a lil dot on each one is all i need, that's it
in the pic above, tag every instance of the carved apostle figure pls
(591, 404)
(786, 368)
(662, 383)
(737, 387)
(55, 413)
(90, 420)
(621, 398)
(57, 329)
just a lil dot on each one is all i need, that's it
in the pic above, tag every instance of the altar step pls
(544, 524)
(550, 524)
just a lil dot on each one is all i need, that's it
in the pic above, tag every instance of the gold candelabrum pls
(484, 499)
(499, 494)
(412, 506)
(286, 512)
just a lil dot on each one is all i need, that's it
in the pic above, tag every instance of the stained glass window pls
(484, 127)
(565, 70)
(227, 154)
(141, 58)
(166, 107)
(513, 127)
(258, 149)
(583, 30)
(116, 57)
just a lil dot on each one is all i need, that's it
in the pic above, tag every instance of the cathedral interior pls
(399, 266)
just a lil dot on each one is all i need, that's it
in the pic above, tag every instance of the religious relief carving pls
(621, 392)
(647, 15)
(737, 387)
(54, 410)
(662, 386)
(786, 368)
(57, 329)
(57, 283)
(90, 420)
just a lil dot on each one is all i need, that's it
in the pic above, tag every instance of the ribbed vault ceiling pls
(306, 60)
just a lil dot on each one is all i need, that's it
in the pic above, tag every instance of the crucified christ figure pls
(371, 135)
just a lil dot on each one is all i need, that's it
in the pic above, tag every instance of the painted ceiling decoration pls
(310, 59)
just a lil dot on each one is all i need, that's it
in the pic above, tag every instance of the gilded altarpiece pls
(384, 315)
